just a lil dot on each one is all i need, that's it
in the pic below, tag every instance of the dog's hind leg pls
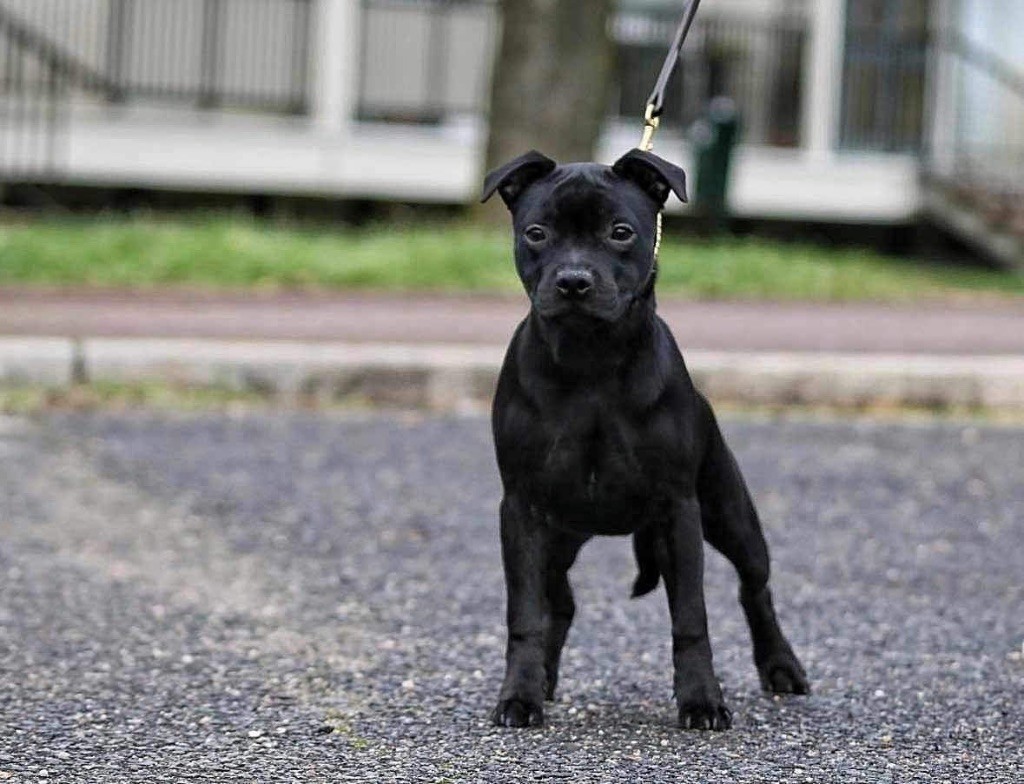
(561, 556)
(647, 563)
(731, 526)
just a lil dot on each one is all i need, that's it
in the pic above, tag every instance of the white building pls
(385, 99)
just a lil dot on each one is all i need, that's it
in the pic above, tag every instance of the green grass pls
(235, 253)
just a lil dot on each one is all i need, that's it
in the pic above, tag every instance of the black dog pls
(599, 430)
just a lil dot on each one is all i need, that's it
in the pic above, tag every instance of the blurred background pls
(894, 114)
(854, 152)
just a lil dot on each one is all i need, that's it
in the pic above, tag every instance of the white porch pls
(329, 152)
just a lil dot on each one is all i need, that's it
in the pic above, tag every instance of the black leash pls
(655, 103)
(652, 114)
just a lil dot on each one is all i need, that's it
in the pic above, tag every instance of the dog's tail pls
(646, 561)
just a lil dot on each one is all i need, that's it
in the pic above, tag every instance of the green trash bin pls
(714, 137)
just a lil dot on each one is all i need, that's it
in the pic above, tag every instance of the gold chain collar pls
(651, 123)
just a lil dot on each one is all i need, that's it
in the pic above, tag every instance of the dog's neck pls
(590, 352)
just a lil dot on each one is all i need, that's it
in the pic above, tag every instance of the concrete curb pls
(453, 377)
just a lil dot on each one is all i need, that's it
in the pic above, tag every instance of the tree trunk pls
(551, 79)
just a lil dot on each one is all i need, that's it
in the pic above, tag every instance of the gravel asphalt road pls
(318, 597)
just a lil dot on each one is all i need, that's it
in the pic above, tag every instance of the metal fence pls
(250, 55)
(33, 92)
(425, 61)
(884, 75)
(429, 61)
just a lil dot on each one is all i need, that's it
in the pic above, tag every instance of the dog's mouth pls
(580, 313)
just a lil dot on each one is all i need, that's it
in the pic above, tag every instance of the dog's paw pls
(784, 675)
(517, 713)
(708, 715)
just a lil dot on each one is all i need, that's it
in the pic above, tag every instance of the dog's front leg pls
(680, 553)
(524, 550)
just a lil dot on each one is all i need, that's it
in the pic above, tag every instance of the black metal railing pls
(425, 61)
(244, 54)
(249, 55)
(429, 61)
(884, 75)
(33, 93)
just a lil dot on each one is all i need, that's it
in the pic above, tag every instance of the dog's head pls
(585, 233)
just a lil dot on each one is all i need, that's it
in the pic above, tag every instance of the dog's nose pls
(574, 283)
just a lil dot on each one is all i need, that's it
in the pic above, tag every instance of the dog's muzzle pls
(574, 283)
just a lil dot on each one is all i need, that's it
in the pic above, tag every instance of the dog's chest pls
(595, 467)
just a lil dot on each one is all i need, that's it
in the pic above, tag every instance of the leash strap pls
(656, 101)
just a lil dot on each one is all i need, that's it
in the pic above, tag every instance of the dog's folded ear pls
(516, 176)
(656, 176)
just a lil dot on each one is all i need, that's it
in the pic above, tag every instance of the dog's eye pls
(622, 233)
(535, 235)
